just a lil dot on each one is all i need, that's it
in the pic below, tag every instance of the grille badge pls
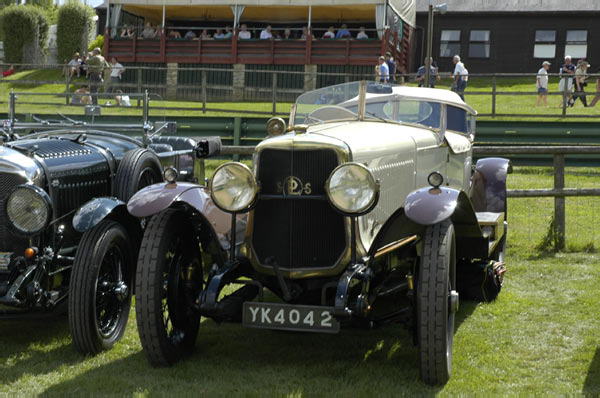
(294, 186)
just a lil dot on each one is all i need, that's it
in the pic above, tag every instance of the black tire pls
(100, 288)
(168, 280)
(435, 319)
(139, 168)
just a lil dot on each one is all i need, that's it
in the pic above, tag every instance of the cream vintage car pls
(360, 211)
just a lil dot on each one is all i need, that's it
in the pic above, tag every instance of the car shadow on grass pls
(591, 387)
(232, 360)
(35, 347)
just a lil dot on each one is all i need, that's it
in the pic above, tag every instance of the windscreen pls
(425, 113)
(326, 104)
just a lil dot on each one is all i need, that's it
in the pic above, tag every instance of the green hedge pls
(73, 19)
(99, 42)
(19, 24)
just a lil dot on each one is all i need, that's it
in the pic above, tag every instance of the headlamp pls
(352, 188)
(28, 209)
(233, 187)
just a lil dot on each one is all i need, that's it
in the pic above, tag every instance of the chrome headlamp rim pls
(170, 174)
(435, 179)
(253, 186)
(45, 200)
(373, 185)
(275, 126)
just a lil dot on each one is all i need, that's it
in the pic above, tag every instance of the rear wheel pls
(169, 279)
(437, 302)
(139, 168)
(100, 288)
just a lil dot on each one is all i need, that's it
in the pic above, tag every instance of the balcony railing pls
(255, 51)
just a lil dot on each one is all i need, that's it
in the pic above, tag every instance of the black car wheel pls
(139, 168)
(100, 288)
(437, 302)
(168, 281)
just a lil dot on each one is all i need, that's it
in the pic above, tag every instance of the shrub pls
(19, 27)
(99, 42)
(74, 21)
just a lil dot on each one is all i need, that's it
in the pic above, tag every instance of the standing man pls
(597, 97)
(566, 83)
(116, 71)
(383, 71)
(96, 66)
(541, 83)
(391, 66)
(432, 75)
(461, 76)
(580, 76)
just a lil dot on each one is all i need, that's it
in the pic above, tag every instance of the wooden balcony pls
(253, 51)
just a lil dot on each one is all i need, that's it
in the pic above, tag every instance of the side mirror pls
(208, 147)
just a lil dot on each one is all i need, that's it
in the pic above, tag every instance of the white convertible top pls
(425, 94)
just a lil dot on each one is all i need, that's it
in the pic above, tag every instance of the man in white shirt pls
(541, 84)
(116, 71)
(362, 34)
(244, 34)
(383, 71)
(461, 76)
(266, 33)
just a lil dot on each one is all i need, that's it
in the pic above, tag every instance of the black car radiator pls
(294, 224)
(7, 242)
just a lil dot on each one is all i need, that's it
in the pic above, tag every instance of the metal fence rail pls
(281, 84)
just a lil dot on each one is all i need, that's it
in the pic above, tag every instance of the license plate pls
(4, 260)
(305, 318)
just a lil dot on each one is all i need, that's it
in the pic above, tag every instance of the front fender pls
(428, 206)
(488, 188)
(94, 211)
(158, 197)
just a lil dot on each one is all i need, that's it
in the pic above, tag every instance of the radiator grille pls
(72, 192)
(8, 242)
(301, 230)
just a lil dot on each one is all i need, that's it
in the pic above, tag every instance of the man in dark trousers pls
(96, 66)
(389, 60)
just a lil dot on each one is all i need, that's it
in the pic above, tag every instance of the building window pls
(450, 43)
(545, 44)
(576, 45)
(479, 44)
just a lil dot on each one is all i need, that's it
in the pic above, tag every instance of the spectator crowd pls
(266, 33)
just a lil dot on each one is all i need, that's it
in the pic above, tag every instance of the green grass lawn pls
(521, 104)
(542, 336)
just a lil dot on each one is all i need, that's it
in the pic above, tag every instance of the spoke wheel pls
(437, 303)
(169, 280)
(100, 288)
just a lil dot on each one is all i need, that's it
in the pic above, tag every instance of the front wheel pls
(168, 281)
(437, 302)
(100, 288)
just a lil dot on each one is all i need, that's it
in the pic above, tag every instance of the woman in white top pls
(330, 34)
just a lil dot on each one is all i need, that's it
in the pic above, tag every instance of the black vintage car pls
(66, 239)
